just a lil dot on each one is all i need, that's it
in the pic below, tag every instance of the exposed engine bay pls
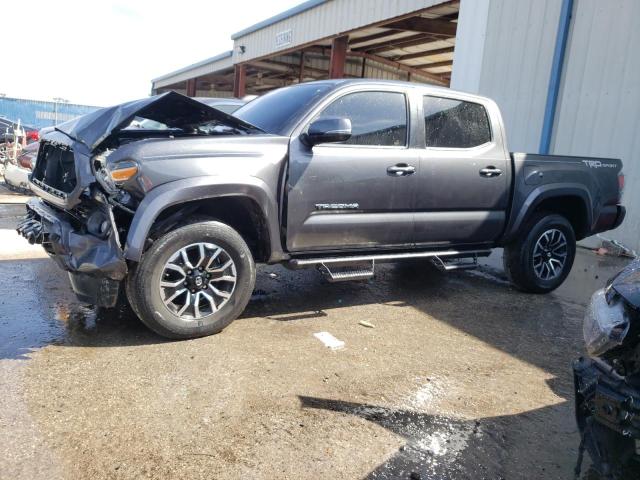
(607, 384)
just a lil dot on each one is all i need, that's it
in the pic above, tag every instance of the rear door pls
(465, 171)
(356, 194)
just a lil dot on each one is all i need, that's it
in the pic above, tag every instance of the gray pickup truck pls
(336, 175)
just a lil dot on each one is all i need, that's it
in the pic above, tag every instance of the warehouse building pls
(40, 114)
(565, 73)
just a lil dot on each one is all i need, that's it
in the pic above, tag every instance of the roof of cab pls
(344, 82)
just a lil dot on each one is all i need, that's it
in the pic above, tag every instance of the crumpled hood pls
(627, 284)
(171, 108)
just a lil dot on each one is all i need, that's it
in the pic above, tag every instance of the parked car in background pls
(338, 175)
(8, 128)
(17, 170)
(607, 383)
(226, 105)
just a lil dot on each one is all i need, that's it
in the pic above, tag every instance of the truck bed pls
(586, 183)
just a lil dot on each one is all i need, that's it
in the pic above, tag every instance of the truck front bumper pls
(95, 264)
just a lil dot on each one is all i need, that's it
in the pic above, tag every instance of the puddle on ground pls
(433, 445)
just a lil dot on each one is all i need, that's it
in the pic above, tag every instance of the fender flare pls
(545, 192)
(200, 188)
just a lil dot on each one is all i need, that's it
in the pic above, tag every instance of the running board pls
(384, 257)
(336, 273)
(444, 266)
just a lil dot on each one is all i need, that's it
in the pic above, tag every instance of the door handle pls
(490, 172)
(400, 170)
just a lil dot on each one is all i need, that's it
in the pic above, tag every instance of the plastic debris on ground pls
(364, 323)
(329, 340)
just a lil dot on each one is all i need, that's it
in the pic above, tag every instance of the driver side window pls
(377, 118)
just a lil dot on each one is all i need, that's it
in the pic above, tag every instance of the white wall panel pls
(599, 104)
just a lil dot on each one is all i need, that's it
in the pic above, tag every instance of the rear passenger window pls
(454, 123)
(377, 118)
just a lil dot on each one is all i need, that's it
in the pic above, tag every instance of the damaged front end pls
(89, 189)
(84, 242)
(607, 383)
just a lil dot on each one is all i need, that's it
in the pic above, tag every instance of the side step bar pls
(384, 257)
(446, 266)
(335, 273)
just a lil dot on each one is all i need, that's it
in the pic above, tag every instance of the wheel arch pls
(572, 201)
(245, 204)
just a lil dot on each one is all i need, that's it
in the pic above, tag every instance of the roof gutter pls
(303, 7)
(556, 76)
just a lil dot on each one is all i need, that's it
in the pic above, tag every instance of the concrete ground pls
(462, 377)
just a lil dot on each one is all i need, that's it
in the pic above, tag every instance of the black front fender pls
(200, 188)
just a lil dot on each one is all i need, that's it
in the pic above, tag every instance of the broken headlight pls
(606, 324)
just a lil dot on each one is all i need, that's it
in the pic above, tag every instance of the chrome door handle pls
(490, 172)
(400, 170)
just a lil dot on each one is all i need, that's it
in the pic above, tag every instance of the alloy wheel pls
(198, 280)
(550, 254)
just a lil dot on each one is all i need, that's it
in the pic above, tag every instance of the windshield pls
(277, 111)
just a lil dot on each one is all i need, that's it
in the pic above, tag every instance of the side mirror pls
(327, 130)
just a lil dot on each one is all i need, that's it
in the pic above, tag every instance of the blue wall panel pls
(40, 114)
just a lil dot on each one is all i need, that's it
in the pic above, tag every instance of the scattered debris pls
(364, 323)
(273, 275)
(329, 340)
(617, 249)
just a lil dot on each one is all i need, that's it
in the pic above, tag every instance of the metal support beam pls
(338, 56)
(425, 25)
(240, 80)
(445, 63)
(191, 87)
(373, 36)
(410, 41)
(555, 76)
(435, 79)
(426, 53)
(301, 72)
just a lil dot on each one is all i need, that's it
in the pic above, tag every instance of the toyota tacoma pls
(336, 174)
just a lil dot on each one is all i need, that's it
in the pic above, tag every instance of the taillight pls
(620, 185)
(33, 136)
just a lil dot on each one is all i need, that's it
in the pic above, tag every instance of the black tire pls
(143, 282)
(518, 256)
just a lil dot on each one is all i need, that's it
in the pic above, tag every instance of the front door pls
(463, 190)
(356, 194)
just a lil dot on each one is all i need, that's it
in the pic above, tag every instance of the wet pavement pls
(462, 377)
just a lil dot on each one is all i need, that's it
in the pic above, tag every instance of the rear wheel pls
(194, 281)
(542, 259)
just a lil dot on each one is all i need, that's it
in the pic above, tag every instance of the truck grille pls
(55, 170)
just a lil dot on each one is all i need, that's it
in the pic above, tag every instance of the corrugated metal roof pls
(303, 7)
(327, 19)
(202, 63)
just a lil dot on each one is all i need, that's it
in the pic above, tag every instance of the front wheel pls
(542, 258)
(194, 281)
